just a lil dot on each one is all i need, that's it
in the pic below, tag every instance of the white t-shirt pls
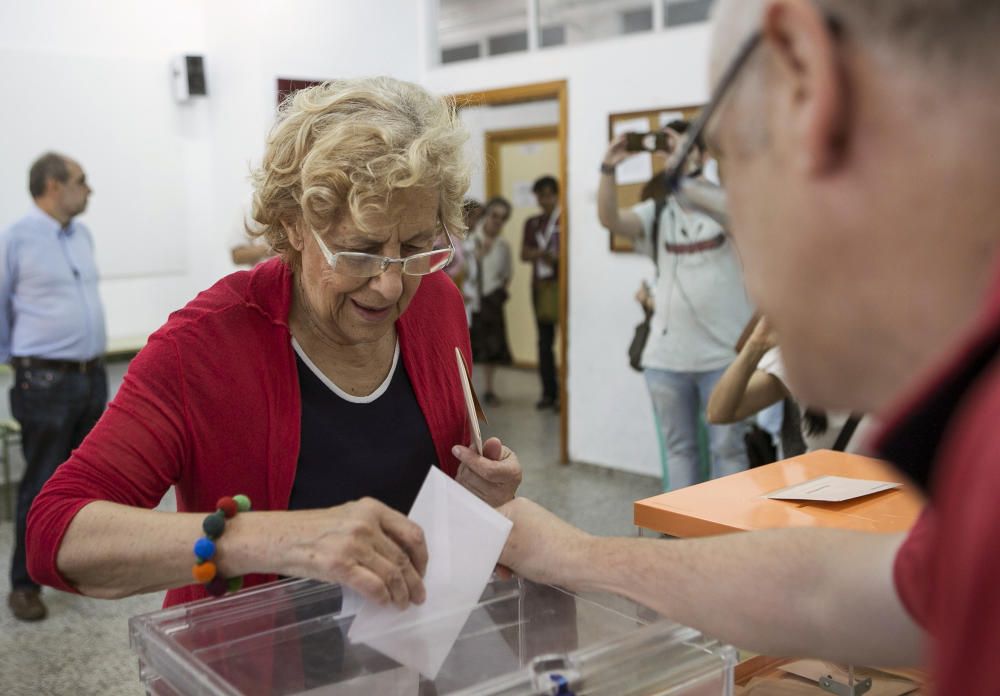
(701, 304)
(496, 267)
(772, 364)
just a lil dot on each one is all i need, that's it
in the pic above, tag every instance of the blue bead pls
(204, 548)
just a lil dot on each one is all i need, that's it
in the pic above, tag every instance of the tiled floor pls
(82, 648)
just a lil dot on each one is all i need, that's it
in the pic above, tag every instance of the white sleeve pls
(772, 364)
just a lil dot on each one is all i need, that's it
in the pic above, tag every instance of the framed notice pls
(633, 175)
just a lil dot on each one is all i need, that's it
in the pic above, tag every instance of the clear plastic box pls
(290, 637)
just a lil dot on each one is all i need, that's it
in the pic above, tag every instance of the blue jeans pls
(56, 409)
(679, 400)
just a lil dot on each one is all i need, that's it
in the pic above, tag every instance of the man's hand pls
(543, 548)
(493, 476)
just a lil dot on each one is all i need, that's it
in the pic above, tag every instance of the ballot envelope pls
(291, 637)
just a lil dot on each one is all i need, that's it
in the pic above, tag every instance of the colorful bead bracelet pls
(204, 570)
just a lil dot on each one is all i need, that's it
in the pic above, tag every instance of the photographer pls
(699, 309)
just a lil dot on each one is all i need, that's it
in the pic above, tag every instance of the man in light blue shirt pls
(52, 332)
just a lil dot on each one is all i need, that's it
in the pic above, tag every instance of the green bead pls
(235, 584)
(214, 524)
(242, 502)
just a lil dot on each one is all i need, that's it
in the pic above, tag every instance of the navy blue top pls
(378, 447)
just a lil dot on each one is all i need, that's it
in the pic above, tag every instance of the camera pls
(646, 142)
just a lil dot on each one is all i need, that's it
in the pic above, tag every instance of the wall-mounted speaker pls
(189, 77)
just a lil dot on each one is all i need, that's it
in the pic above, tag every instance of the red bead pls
(218, 586)
(228, 506)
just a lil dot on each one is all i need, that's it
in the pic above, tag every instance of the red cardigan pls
(212, 406)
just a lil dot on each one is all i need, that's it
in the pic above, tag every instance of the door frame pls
(541, 91)
(494, 140)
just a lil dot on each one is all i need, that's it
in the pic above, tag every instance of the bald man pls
(52, 333)
(859, 140)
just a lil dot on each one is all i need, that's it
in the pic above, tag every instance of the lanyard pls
(543, 238)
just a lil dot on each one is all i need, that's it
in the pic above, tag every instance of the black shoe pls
(544, 403)
(26, 604)
(491, 399)
(555, 405)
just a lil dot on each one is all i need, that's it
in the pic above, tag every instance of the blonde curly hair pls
(344, 146)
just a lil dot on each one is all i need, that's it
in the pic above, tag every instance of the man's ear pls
(294, 234)
(810, 85)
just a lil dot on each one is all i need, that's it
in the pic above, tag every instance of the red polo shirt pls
(947, 437)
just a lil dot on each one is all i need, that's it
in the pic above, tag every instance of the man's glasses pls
(704, 196)
(360, 265)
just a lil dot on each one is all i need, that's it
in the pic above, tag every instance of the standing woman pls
(494, 271)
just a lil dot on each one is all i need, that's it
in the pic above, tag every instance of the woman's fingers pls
(407, 535)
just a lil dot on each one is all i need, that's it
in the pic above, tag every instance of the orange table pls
(735, 503)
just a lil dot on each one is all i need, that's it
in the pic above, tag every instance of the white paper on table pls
(832, 489)
(464, 539)
(638, 168)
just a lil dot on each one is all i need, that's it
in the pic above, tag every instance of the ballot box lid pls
(291, 637)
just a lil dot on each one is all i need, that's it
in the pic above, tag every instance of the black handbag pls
(760, 446)
(639, 343)
(641, 334)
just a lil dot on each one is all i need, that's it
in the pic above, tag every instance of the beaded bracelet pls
(204, 570)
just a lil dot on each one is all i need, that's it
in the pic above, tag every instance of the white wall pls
(611, 421)
(480, 120)
(91, 78)
(250, 45)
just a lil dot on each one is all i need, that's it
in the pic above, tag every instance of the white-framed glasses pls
(358, 264)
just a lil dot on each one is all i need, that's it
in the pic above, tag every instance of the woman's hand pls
(364, 544)
(645, 297)
(763, 337)
(493, 476)
(616, 153)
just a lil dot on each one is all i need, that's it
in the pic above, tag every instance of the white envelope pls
(464, 539)
(831, 489)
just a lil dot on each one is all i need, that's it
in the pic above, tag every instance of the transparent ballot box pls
(291, 637)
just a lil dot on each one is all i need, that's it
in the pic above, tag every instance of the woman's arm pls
(623, 222)
(112, 550)
(743, 390)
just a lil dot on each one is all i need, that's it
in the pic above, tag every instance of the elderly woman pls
(322, 384)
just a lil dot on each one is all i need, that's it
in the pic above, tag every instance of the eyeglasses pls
(704, 196)
(360, 265)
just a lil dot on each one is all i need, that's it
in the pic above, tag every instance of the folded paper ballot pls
(464, 539)
(831, 489)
